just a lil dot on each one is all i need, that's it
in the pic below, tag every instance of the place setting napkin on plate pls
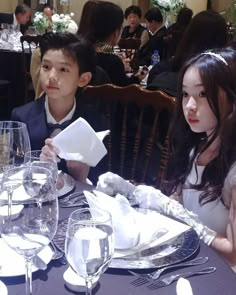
(80, 142)
(134, 230)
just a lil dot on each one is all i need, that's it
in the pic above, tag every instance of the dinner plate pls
(65, 184)
(169, 252)
(12, 264)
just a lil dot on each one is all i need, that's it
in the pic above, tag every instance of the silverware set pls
(169, 280)
(73, 200)
(153, 278)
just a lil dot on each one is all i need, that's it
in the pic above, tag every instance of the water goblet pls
(89, 244)
(32, 191)
(14, 143)
(34, 158)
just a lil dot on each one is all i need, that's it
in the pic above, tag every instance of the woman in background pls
(134, 29)
(104, 31)
(207, 30)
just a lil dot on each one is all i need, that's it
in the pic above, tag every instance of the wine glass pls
(89, 244)
(14, 143)
(34, 158)
(29, 191)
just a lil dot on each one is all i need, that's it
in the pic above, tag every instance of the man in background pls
(157, 30)
(20, 17)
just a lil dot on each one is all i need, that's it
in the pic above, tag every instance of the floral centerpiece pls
(169, 5)
(58, 23)
(230, 15)
(169, 8)
(41, 22)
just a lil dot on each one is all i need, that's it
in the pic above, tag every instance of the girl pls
(202, 173)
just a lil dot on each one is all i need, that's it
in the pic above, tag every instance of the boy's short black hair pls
(133, 9)
(81, 50)
(154, 14)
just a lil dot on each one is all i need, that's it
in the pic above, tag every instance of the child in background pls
(201, 177)
(68, 62)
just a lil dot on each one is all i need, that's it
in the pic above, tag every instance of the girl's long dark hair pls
(185, 144)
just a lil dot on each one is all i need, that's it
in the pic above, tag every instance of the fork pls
(169, 280)
(146, 278)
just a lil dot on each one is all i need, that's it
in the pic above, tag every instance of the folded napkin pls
(81, 143)
(134, 230)
(183, 287)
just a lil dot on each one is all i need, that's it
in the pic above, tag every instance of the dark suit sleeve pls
(114, 67)
(6, 18)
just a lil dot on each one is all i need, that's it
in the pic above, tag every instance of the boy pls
(67, 63)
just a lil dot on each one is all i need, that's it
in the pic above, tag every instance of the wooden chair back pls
(33, 42)
(138, 120)
(130, 46)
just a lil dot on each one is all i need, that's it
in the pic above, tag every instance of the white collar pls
(15, 22)
(50, 118)
(156, 30)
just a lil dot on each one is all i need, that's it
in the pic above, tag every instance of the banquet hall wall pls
(76, 6)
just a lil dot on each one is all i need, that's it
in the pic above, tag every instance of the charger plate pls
(170, 252)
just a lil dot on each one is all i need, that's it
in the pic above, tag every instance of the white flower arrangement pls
(64, 23)
(58, 23)
(41, 22)
(169, 5)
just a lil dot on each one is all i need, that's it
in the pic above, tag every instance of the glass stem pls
(88, 282)
(28, 276)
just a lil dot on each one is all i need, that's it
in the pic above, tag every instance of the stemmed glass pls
(29, 190)
(34, 158)
(14, 143)
(89, 244)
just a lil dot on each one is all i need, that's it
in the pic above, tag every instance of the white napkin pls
(3, 288)
(134, 230)
(81, 143)
(183, 287)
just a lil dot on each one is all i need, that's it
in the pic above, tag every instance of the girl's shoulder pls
(229, 184)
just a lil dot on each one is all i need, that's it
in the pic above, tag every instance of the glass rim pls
(104, 219)
(20, 124)
(24, 166)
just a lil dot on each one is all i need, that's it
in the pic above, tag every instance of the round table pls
(117, 281)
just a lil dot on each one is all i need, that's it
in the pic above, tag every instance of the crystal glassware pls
(89, 244)
(30, 191)
(34, 158)
(14, 143)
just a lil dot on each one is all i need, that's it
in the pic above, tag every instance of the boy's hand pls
(49, 151)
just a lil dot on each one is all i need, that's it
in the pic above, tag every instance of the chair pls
(32, 42)
(130, 46)
(138, 120)
(5, 99)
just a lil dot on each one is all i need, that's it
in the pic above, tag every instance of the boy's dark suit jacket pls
(33, 114)
(8, 18)
(154, 43)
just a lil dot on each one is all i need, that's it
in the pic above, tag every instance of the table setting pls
(83, 240)
(10, 38)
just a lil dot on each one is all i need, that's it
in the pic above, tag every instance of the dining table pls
(117, 281)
